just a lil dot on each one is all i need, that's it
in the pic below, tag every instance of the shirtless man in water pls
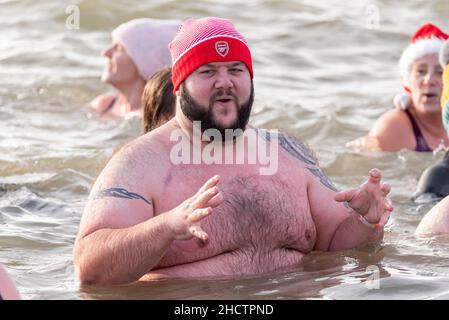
(151, 215)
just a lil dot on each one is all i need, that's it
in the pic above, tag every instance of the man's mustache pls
(216, 95)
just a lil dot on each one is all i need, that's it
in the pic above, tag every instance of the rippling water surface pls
(324, 71)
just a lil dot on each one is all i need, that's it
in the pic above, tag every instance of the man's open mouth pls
(224, 100)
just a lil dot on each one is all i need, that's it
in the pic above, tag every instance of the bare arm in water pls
(7, 289)
(357, 221)
(436, 221)
(392, 123)
(120, 239)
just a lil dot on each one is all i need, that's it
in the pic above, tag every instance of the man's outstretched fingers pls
(199, 214)
(216, 200)
(389, 205)
(202, 200)
(384, 219)
(209, 184)
(345, 195)
(385, 188)
(197, 232)
(374, 175)
(387, 213)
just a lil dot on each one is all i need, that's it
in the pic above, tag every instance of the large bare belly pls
(264, 224)
(240, 262)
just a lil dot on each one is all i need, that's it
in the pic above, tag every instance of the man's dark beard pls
(196, 112)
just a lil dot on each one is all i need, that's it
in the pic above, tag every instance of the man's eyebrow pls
(236, 64)
(208, 65)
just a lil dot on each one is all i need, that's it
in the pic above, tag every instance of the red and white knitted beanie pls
(206, 40)
(427, 40)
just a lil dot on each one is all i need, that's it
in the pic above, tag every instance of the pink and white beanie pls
(146, 41)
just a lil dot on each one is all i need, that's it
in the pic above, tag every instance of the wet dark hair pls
(158, 100)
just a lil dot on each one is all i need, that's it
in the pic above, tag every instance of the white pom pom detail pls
(402, 101)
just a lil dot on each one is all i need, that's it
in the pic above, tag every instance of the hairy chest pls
(259, 214)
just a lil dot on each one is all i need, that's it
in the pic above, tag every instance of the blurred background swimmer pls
(436, 221)
(8, 290)
(417, 124)
(434, 181)
(139, 48)
(158, 100)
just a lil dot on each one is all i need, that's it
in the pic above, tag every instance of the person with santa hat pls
(139, 48)
(416, 124)
(435, 179)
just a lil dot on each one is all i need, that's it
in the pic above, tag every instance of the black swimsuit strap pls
(421, 144)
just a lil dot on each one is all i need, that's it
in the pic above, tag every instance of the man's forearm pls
(353, 232)
(116, 256)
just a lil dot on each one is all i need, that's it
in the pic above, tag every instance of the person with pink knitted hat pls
(207, 195)
(139, 48)
(416, 122)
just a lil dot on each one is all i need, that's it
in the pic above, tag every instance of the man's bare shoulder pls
(292, 145)
(141, 164)
(147, 152)
(135, 172)
(302, 157)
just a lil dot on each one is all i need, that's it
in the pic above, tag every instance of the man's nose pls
(224, 80)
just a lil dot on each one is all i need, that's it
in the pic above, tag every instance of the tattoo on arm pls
(296, 149)
(302, 153)
(264, 134)
(119, 193)
(323, 178)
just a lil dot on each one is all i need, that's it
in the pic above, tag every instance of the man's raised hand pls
(185, 219)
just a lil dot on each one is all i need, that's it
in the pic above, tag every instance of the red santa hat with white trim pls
(427, 40)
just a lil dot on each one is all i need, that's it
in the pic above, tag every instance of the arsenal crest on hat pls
(206, 40)
(222, 48)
